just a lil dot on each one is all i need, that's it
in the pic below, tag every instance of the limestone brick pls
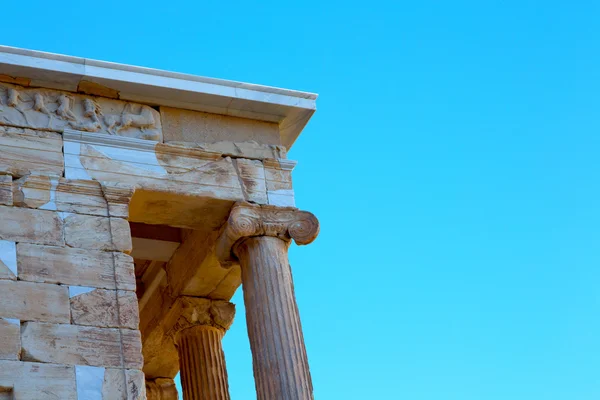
(25, 151)
(129, 313)
(104, 308)
(29, 301)
(80, 345)
(30, 226)
(38, 381)
(6, 195)
(65, 195)
(100, 383)
(10, 345)
(194, 126)
(252, 180)
(88, 232)
(132, 348)
(278, 175)
(92, 268)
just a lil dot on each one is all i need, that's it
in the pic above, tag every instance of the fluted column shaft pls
(202, 363)
(279, 358)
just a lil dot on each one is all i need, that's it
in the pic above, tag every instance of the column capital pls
(249, 220)
(198, 311)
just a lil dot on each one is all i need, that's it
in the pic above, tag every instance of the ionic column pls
(197, 334)
(258, 237)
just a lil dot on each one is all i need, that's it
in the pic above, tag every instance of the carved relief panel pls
(47, 109)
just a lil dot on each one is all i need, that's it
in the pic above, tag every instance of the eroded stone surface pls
(6, 194)
(248, 220)
(248, 149)
(71, 195)
(129, 313)
(105, 308)
(48, 109)
(192, 311)
(10, 344)
(194, 126)
(70, 266)
(38, 381)
(29, 301)
(30, 226)
(25, 151)
(88, 232)
(80, 345)
(96, 308)
(252, 180)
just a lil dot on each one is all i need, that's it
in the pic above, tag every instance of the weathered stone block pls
(29, 301)
(10, 342)
(25, 151)
(249, 149)
(252, 180)
(95, 308)
(132, 348)
(30, 226)
(93, 268)
(278, 174)
(79, 345)
(6, 195)
(128, 309)
(159, 167)
(60, 194)
(99, 383)
(87, 232)
(122, 384)
(194, 126)
(31, 381)
(277, 178)
(102, 308)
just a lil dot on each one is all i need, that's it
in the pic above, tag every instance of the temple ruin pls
(134, 202)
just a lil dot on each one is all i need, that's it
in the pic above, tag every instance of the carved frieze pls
(47, 109)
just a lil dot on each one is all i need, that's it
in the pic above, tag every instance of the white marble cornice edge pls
(289, 108)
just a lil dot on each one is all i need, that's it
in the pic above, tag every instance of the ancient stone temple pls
(133, 204)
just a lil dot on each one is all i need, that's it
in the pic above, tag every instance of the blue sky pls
(453, 164)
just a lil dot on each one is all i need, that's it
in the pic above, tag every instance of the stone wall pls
(68, 310)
